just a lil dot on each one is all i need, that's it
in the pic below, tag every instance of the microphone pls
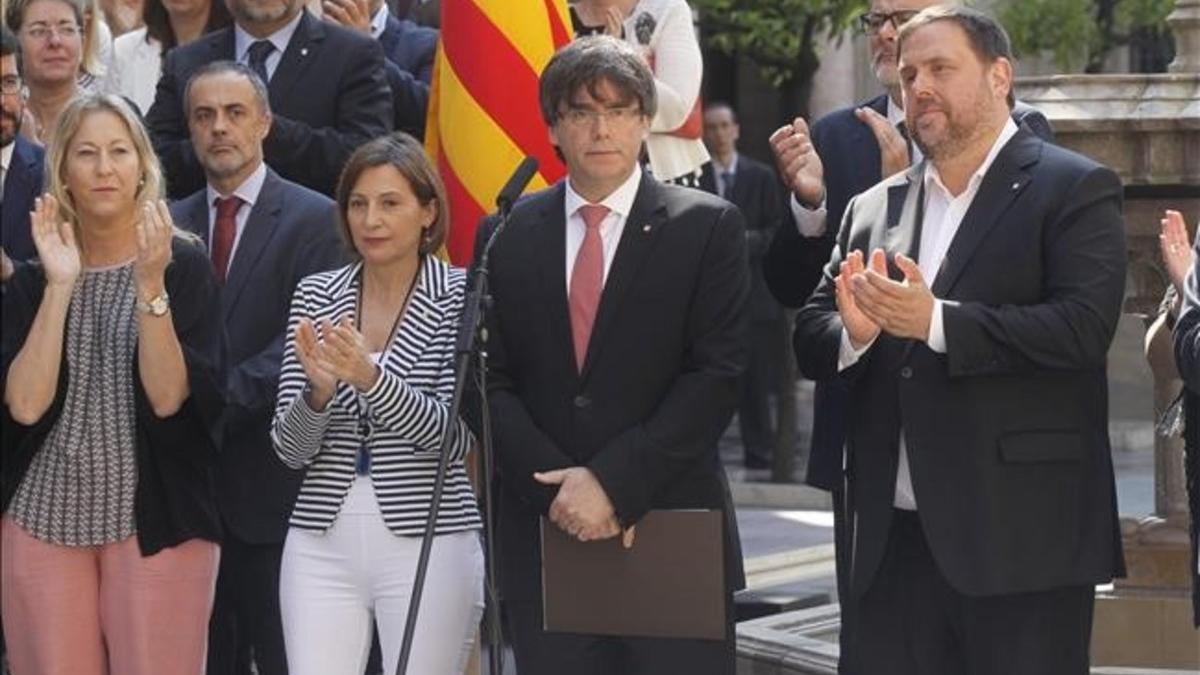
(516, 184)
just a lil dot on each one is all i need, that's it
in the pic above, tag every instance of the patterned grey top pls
(80, 486)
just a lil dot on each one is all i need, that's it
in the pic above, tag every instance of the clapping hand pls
(353, 14)
(861, 328)
(893, 149)
(154, 233)
(614, 22)
(798, 163)
(322, 383)
(1176, 249)
(902, 308)
(55, 242)
(344, 353)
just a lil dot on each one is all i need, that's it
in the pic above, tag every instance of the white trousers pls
(331, 584)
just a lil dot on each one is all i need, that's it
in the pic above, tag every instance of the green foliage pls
(779, 35)
(1080, 32)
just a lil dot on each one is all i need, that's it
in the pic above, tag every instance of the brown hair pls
(404, 154)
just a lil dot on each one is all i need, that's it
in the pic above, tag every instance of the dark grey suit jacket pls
(291, 232)
(660, 380)
(328, 95)
(1007, 432)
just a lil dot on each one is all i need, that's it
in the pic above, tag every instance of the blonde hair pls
(150, 185)
(89, 57)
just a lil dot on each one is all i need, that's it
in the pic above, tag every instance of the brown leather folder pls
(671, 583)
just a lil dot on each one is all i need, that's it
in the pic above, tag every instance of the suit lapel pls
(1001, 185)
(194, 216)
(551, 262)
(708, 181)
(905, 209)
(292, 64)
(646, 218)
(260, 225)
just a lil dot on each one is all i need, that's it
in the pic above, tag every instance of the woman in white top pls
(364, 398)
(662, 31)
(138, 54)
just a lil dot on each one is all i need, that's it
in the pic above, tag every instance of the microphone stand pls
(470, 328)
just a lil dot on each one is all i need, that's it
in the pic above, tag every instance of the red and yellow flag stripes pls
(483, 109)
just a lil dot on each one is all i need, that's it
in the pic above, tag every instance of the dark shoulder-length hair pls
(158, 22)
(403, 153)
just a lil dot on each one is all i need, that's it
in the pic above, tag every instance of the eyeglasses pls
(872, 22)
(42, 33)
(583, 117)
(10, 84)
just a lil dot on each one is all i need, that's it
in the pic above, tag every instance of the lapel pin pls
(1016, 185)
(304, 51)
(646, 228)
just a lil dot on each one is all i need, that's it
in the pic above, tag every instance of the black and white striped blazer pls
(408, 409)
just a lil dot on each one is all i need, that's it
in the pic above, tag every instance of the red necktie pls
(224, 232)
(587, 280)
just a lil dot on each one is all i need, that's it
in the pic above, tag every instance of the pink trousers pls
(105, 609)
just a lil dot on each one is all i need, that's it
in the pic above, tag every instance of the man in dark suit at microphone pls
(617, 344)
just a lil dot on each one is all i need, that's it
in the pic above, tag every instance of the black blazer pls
(290, 233)
(410, 51)
(174, 499)
(660, 381)
(22, 184)
(1007, 432)
(793, 264)
(756, 192)
(328, 96)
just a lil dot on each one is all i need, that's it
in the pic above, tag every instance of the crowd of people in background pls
(223, 412)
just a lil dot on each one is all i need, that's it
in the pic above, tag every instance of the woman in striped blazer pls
(364, 400)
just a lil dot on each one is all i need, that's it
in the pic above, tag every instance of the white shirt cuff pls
(847, 354)
(937, 332)
(809, 222)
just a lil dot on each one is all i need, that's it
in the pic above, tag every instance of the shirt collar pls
(248, 191)
(1006, 134)
(619, 201)
(379, 21)
(6, 154)
(720, 168)
(280, 38)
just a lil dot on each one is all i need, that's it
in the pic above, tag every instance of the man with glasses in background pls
(20, 160)
(844, 153)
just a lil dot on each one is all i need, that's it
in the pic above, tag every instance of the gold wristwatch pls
(156, 306)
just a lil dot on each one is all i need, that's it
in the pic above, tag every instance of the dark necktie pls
(257, 57)
(727, 178)
(224, 232)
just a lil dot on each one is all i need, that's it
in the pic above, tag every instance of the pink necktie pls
(587, 280)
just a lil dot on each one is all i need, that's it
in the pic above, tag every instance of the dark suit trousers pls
(767, 352)
(912, 622)
(245, 625)
(542, 653)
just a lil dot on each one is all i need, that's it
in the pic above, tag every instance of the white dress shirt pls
(136, 67)
(248, 192)
(942, 216)
(280, 38)
(619, 202)
(6, 154)
(811, 222)
(379, 21)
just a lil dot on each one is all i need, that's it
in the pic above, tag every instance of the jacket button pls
(582, 401)
(906, 373)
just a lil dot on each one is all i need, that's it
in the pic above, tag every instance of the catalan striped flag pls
(483, 110)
